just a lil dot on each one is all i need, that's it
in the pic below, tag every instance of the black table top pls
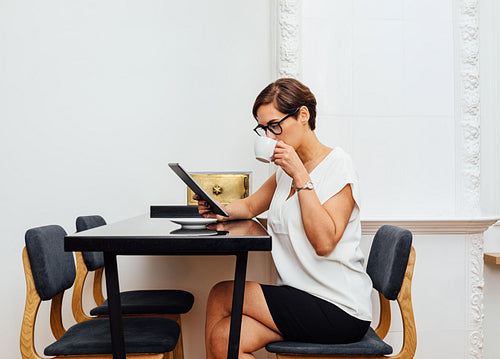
(146, 235)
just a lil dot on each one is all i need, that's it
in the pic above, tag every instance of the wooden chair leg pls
(27, 340)
(97, 286)
(76, 301)
(56, 324)
(385, 317)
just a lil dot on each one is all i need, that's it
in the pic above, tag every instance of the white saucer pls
(183, 232)
(193, 223)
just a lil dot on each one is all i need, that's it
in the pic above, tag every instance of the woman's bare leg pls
(254, 335)
(258, 327)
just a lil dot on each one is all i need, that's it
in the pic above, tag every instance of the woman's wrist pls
(301, 180)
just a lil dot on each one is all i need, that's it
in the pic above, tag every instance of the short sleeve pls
(338, 172)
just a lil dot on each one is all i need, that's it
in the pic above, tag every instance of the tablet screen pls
(195, 187)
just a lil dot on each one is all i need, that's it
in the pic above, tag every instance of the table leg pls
(237, 308)
(115, 313)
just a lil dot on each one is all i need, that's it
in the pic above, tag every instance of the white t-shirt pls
(340, 277)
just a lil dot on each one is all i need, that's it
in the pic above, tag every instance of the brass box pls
(223, 186)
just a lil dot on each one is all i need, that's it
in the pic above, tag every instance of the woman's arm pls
(324, 224)
(243, 208)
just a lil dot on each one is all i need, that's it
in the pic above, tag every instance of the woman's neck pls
(310, 149)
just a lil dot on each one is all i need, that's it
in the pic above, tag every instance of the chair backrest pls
(93, 260)
(53, 269)
(49, 271)
(388, 259)
(390, 265)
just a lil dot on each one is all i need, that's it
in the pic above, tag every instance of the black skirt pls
(303, 317)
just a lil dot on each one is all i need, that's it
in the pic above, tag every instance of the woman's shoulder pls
(338, 164)
(339, 158)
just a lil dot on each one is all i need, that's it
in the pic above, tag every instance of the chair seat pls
(142, 335)
(151, 302)
(371, 344)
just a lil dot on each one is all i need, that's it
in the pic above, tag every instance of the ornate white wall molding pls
(466, 226)
(288, 38)
(468, 190)
(468, 22)
(475, 296)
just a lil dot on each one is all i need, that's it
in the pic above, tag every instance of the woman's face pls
(292, 128)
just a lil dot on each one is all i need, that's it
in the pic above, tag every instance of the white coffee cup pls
(264, 148)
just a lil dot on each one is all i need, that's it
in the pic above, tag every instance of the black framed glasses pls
(273, 127)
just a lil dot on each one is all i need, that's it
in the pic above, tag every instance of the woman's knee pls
(221, 290)
(219, 338)
(220, 296)
(220, 300)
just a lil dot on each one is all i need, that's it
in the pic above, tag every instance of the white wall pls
(386, 78)
(383, 74)
(96, 98)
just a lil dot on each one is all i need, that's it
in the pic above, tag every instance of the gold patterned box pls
(224, 187)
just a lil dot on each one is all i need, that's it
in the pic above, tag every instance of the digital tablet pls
(195, 187)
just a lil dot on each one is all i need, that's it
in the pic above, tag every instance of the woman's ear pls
(303, 116)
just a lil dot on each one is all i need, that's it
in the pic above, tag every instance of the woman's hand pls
(286, 157)
(206, 210)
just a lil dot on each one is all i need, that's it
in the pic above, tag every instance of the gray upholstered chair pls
(390, 266)
(168, 303)
(49, 271)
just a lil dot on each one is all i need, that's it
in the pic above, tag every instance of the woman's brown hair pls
(287, 95)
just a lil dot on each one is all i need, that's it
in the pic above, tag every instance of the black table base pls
(115, 315)
(237, 307)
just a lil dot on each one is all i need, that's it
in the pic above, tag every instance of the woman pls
(323, 292)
